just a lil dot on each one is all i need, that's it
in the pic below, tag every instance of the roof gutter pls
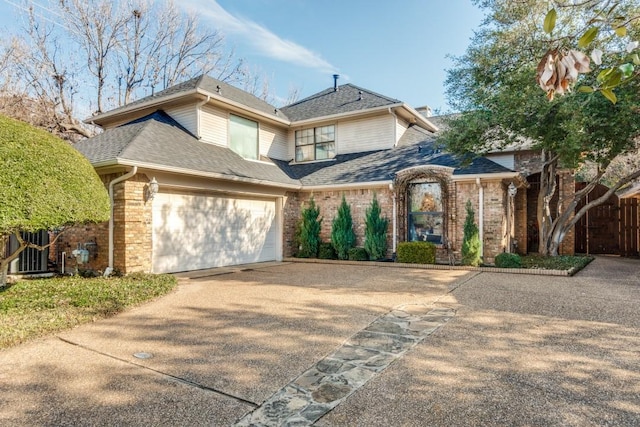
(133, 107)
(345, 115)
(495, 176)
(214, 175)
(349, 186)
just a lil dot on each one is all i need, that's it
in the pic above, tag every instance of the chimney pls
(335, 82)
(425, 111)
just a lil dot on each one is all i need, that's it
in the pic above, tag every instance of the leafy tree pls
(308, 233)
(375, 232)
(101, 54)
(593, 47)
(493, 84)
(45, 184)
(343, 237)
(471, 239)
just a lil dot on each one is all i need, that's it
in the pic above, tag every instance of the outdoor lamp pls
(512, 190)
(152, 188)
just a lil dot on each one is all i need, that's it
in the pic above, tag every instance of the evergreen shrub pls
(358, 254)
(308, 231)
(343, 237)
(506, 260)
(416, 253)
(326, 251)
(375, 232)
(471, 239)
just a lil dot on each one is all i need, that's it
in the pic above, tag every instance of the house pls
(204, 175)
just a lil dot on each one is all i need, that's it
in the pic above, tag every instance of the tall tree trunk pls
(545, 194)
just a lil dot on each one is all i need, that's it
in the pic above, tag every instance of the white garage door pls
(192, 232)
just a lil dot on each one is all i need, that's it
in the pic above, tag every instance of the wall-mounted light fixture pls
(152, 189)
(513, 190)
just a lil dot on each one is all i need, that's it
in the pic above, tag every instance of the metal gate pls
(610, 228)
(30, 260)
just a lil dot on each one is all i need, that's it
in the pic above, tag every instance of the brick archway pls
(405, 178)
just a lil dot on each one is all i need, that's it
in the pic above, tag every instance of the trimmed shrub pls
(358, 254)
(308, 231)
(416, 253)
(375, 232)
(506, 260)
(471, 240)
(326, 251)
(343, 237)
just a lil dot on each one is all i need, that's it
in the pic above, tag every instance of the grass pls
(561, 262)
(34, 308)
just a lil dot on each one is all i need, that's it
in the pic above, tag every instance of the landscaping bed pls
(530, 264)
(33, 308)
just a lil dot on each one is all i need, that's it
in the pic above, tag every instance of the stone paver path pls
(334, 378)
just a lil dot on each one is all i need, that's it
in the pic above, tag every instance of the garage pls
(198, 231)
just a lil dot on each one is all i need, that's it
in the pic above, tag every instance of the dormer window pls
(316, 143)
(243, 136)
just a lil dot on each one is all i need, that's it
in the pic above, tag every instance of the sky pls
(396, 48)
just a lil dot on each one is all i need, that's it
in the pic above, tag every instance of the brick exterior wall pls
(494, 216)
(329, 202)
(360, 200)
(132, 231)
(133, 219)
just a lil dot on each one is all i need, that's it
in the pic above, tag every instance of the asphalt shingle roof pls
(209, 84)
(159, 140)
(382, 165)
(328, 102)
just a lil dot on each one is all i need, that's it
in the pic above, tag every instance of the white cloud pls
(265, 41)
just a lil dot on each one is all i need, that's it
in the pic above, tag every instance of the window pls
(316, 144)
(426, 213)
(243, 136)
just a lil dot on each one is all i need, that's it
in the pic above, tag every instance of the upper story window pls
(426, 212)
(243, 136)
(316, 143)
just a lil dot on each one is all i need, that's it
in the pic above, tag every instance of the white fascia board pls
(345, 115)
(223, 100)
(425, 123)
(350, 186)
(141, 106)
(164, 99)
(494, 176)
(192, 172)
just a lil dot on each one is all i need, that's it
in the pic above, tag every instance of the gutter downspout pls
(119, 179)
(395, 130)
(395, 218)
(481, 215)
(198, 112)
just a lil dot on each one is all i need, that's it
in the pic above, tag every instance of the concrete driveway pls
(503, 350)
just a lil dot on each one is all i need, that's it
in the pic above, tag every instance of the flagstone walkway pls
(333, 379)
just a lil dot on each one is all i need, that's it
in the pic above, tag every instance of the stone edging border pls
(530, 271)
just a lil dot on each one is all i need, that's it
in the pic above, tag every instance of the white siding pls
(273, 142)
(401, 128)
(185, 115)
(368, 134)
(214, 125)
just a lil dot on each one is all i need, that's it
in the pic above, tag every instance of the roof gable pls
(203, 84)
(158, 141)
(347, 98)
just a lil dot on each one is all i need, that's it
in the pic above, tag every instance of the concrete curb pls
(529, 271)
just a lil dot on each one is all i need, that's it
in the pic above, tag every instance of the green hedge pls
(358, 254)
(506, 260)
(416, 253)
(326, 251)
